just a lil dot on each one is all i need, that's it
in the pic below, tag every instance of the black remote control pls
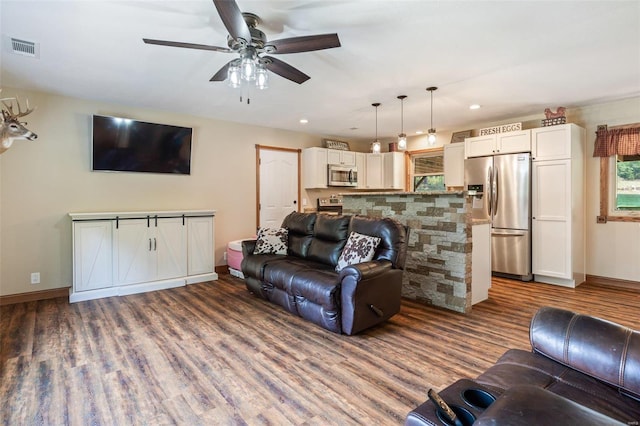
(444, 408)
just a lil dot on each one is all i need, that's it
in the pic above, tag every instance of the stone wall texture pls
(438, 265)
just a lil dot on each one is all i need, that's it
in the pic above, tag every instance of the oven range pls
(330, 205)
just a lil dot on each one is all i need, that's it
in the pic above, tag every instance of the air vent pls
(24, 47)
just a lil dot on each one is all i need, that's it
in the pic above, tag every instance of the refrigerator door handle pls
(489, 191)
(496, 190)
(508, 234)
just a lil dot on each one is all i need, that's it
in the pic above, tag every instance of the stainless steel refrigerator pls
(499, 188)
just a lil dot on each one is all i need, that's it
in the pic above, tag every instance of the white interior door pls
(278, 186)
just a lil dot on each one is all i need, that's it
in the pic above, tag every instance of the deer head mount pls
(10, 127)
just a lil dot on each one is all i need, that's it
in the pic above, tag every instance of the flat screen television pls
(125, 145)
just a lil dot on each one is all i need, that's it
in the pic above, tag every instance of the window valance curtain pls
(618, 141)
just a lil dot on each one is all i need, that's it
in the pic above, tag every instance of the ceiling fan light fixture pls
(262, 77)
(432, 131)
(233, 75)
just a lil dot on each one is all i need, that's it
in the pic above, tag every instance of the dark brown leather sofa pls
(305, 283)
(582, 370)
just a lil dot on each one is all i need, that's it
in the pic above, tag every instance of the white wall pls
(43, 180)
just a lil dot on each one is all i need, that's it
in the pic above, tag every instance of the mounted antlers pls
(10, 126)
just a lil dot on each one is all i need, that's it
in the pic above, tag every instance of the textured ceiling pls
(512, 57)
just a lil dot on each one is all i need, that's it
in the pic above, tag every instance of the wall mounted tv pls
(125, 145)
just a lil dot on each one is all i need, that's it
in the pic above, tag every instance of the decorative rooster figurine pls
(10, 127)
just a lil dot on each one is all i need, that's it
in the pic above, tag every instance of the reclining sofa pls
(304, 280)
(582, 371)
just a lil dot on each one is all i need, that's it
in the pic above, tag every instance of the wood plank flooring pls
(213, 354)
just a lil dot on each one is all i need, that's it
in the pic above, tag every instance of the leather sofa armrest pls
(526, 405)
(370, 294)
(248, 246)
(365, 270)
(601, 349)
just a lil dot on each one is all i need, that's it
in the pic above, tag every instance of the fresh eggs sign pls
(500, 129)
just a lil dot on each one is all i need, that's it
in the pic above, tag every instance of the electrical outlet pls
(35, 278)
(224, 255)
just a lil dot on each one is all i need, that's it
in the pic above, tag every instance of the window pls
(619, 152)
(427, 172)
(625, 184)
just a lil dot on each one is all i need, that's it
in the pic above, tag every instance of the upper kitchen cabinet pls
(500, 143)
(344, 158)
(555, 142)
(361, 168)
(454, 165)
(394, 170)
(374, 173)
(314, 167)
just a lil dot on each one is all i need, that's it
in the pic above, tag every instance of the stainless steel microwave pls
(339, 175)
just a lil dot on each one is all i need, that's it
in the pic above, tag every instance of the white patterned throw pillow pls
(272, 241)
(359, 248)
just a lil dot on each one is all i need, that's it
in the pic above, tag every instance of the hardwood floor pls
(214, 354)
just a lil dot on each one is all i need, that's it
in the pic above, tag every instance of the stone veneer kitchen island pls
(438, 266)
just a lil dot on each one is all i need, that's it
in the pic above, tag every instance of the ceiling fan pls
(253, 48)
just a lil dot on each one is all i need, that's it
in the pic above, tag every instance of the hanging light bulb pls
(262, 77)
(248, 63)
(402, 137)
(375, 146)
(432, 132)
(233, 74)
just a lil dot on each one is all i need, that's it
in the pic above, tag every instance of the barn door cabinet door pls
(92, 251)
(150, 249)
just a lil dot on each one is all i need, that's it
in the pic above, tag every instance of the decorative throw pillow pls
(272, 241)
(359, 248)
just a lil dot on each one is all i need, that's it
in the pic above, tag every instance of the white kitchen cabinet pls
(375, 171)
(314, 167)
(480, 262)
(344, 158)
(558, 207)
(133, 252)
(92, 250)
(500, 143)
(394, 170)
(361, 167)
(555, 142)
(454, 165)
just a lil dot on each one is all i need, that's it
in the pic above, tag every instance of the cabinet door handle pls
(155, 244)
(149, 244)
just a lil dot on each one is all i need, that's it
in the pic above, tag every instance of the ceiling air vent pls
(24, 47)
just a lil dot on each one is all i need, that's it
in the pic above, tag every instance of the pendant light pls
(432, 132)
(402, 137)
(375, 146)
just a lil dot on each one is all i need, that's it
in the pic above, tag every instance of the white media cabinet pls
(120, 253)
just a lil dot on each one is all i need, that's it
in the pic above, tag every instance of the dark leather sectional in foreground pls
(582, 371)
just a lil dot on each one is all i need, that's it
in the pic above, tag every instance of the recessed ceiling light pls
(474, 106)
(303, 121)
(419, 132)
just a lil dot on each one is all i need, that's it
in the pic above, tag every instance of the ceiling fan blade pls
(285, 70)
(305, 43)
(222, 73)
(232, 19)
(187, 45)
